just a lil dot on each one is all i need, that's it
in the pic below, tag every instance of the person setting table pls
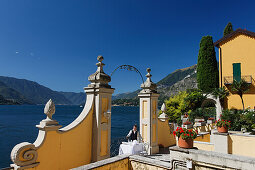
(133, 134)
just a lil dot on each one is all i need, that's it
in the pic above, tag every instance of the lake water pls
(17, 124)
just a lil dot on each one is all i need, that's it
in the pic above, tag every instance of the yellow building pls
(237, 61)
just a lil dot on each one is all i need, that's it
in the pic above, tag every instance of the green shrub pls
(206, 113)
(239, 119)
(183, 102)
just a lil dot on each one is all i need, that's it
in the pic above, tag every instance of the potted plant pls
(222, 125)
(185, 137)
(187, 125)
(210, 120)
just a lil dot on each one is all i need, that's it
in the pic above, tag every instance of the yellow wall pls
(241, 145)
(104, 143)
(118, 165)
(203, 138)
(66, 150)
(139, 165)
(126, 164)
(204, 146)
(165, 137)
(239, 50)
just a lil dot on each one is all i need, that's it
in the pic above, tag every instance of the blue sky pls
(55, 43)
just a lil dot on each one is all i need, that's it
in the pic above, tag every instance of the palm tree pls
(240, 87)
(222, 93)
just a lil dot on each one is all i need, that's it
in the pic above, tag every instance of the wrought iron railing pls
(229, 79)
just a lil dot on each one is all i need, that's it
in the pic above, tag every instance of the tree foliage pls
(222, 93)
(228, 29)
(207, 67)
(183, 102)
(240, 87)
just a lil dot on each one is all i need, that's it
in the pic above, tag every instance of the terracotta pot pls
(185, 143)
(222, 129)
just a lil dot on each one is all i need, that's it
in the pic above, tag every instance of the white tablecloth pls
(130, 148)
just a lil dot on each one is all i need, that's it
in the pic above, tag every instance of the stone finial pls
(49, 123)
(148, 86)
(99, 78)
(49, 109)
(163, 108)
(163, 116)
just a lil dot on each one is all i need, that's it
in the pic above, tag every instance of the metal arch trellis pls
(129, 68)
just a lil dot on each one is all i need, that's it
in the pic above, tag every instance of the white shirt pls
(138, 135)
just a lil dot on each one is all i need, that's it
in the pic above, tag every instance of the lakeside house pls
(236, 62)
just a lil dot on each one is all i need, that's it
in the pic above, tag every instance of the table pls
(130, 148)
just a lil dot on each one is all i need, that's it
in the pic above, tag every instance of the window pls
(237, 71)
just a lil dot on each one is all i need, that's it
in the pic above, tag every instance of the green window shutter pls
(237, 71)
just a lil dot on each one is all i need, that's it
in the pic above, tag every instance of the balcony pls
(228, 80)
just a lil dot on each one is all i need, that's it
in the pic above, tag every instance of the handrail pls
(229, 79)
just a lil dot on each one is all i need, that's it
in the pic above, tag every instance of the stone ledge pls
(240, 134)
(208, 143)
(102, 162)
(223, 134)
(149, 161)
(210, 158)
(178, 149)
(223, 155)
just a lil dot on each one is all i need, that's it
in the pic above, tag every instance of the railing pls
(229, 79)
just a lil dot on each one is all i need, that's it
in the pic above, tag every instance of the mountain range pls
(179, 80)
(23, 91)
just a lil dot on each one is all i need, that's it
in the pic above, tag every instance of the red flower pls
(191, 134)
(174, 133)
(188, 134)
